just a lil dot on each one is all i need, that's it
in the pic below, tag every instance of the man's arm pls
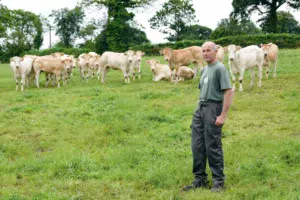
(228, 95)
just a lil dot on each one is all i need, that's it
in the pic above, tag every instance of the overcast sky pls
(208, 12)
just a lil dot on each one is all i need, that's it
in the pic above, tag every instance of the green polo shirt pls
(214, 80)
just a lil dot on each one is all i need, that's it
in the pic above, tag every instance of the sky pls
(208, 12)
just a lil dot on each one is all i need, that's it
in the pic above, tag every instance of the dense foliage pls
(19, 31)
(233, 27)
(282, 40)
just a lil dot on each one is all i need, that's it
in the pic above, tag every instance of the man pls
(209, 117)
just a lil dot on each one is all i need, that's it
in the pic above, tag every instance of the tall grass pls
(132, 141)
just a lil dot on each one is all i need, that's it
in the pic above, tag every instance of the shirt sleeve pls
(224, 79)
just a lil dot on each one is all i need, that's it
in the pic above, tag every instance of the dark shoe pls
(195, 185)
(218, 188)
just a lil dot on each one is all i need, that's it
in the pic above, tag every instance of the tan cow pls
(185, 73)
(53, 65)
(270, 56)
(83, 65)
(183, 57)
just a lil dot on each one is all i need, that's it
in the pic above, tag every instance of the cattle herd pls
(59, 66)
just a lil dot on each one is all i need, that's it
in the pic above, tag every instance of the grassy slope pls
(118, 141)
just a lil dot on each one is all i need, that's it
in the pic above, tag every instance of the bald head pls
(211, 45)
(209, 51)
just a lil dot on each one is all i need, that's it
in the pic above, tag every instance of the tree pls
(286, 23)
(266, 8)
(193, 32)
(68, 24)
(173, 18)
(231, 26)
(117, 33)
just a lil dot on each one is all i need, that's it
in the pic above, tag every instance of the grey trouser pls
(206, 142)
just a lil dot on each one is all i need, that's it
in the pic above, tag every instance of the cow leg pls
(17, 82)
(197, 66)
(275, 68)
(260, 69)
(57, 73)
(267, 69)
(252, 77)
(242, 70)
(104, 72)
(232, 77)
(22, 81)
(139, 72)
(37, 74)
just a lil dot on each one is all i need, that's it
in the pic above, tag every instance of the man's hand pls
(220, 120)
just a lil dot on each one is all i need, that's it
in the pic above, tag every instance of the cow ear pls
(270, 44)
(225, 49)
(143, 53)
(126, 53)
(261, 45)
(157, 61)
(239, 47)
(161, 52)
(148, 62)
(11, 60)
(63, 61)
(217, 47)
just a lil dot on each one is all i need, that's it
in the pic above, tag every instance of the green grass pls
(132, 141)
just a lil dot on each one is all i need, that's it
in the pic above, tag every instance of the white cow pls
(94, 63)
(137, 63)
(160, 71)
(271, 56)
(246, 58)
(116, 61)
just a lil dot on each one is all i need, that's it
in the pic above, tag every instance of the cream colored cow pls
(160, 71)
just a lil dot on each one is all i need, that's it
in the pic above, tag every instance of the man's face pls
(209, 54)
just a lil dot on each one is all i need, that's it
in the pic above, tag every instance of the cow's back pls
(250, 56)
(113, 60)
(47, 63)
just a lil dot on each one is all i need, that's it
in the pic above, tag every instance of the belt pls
(209, 101)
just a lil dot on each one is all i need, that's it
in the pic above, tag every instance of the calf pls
(15, 68)
(160, 71)
(246, 58)
(116, 61)
(136, 65)
(185, 73)
(183, 57)
(271, 56)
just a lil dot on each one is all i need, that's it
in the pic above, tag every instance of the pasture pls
(132, 141)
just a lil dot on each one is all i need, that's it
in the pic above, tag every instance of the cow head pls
(265, 48)
(67, 64)
(231, 51)
(139, 55)
(129, 54)
(166, 52)
(152, 64)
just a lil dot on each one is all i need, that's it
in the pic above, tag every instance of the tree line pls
(115, 29)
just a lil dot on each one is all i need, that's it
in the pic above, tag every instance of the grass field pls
(132, 141)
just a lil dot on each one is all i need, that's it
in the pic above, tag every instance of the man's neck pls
(212, 62)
